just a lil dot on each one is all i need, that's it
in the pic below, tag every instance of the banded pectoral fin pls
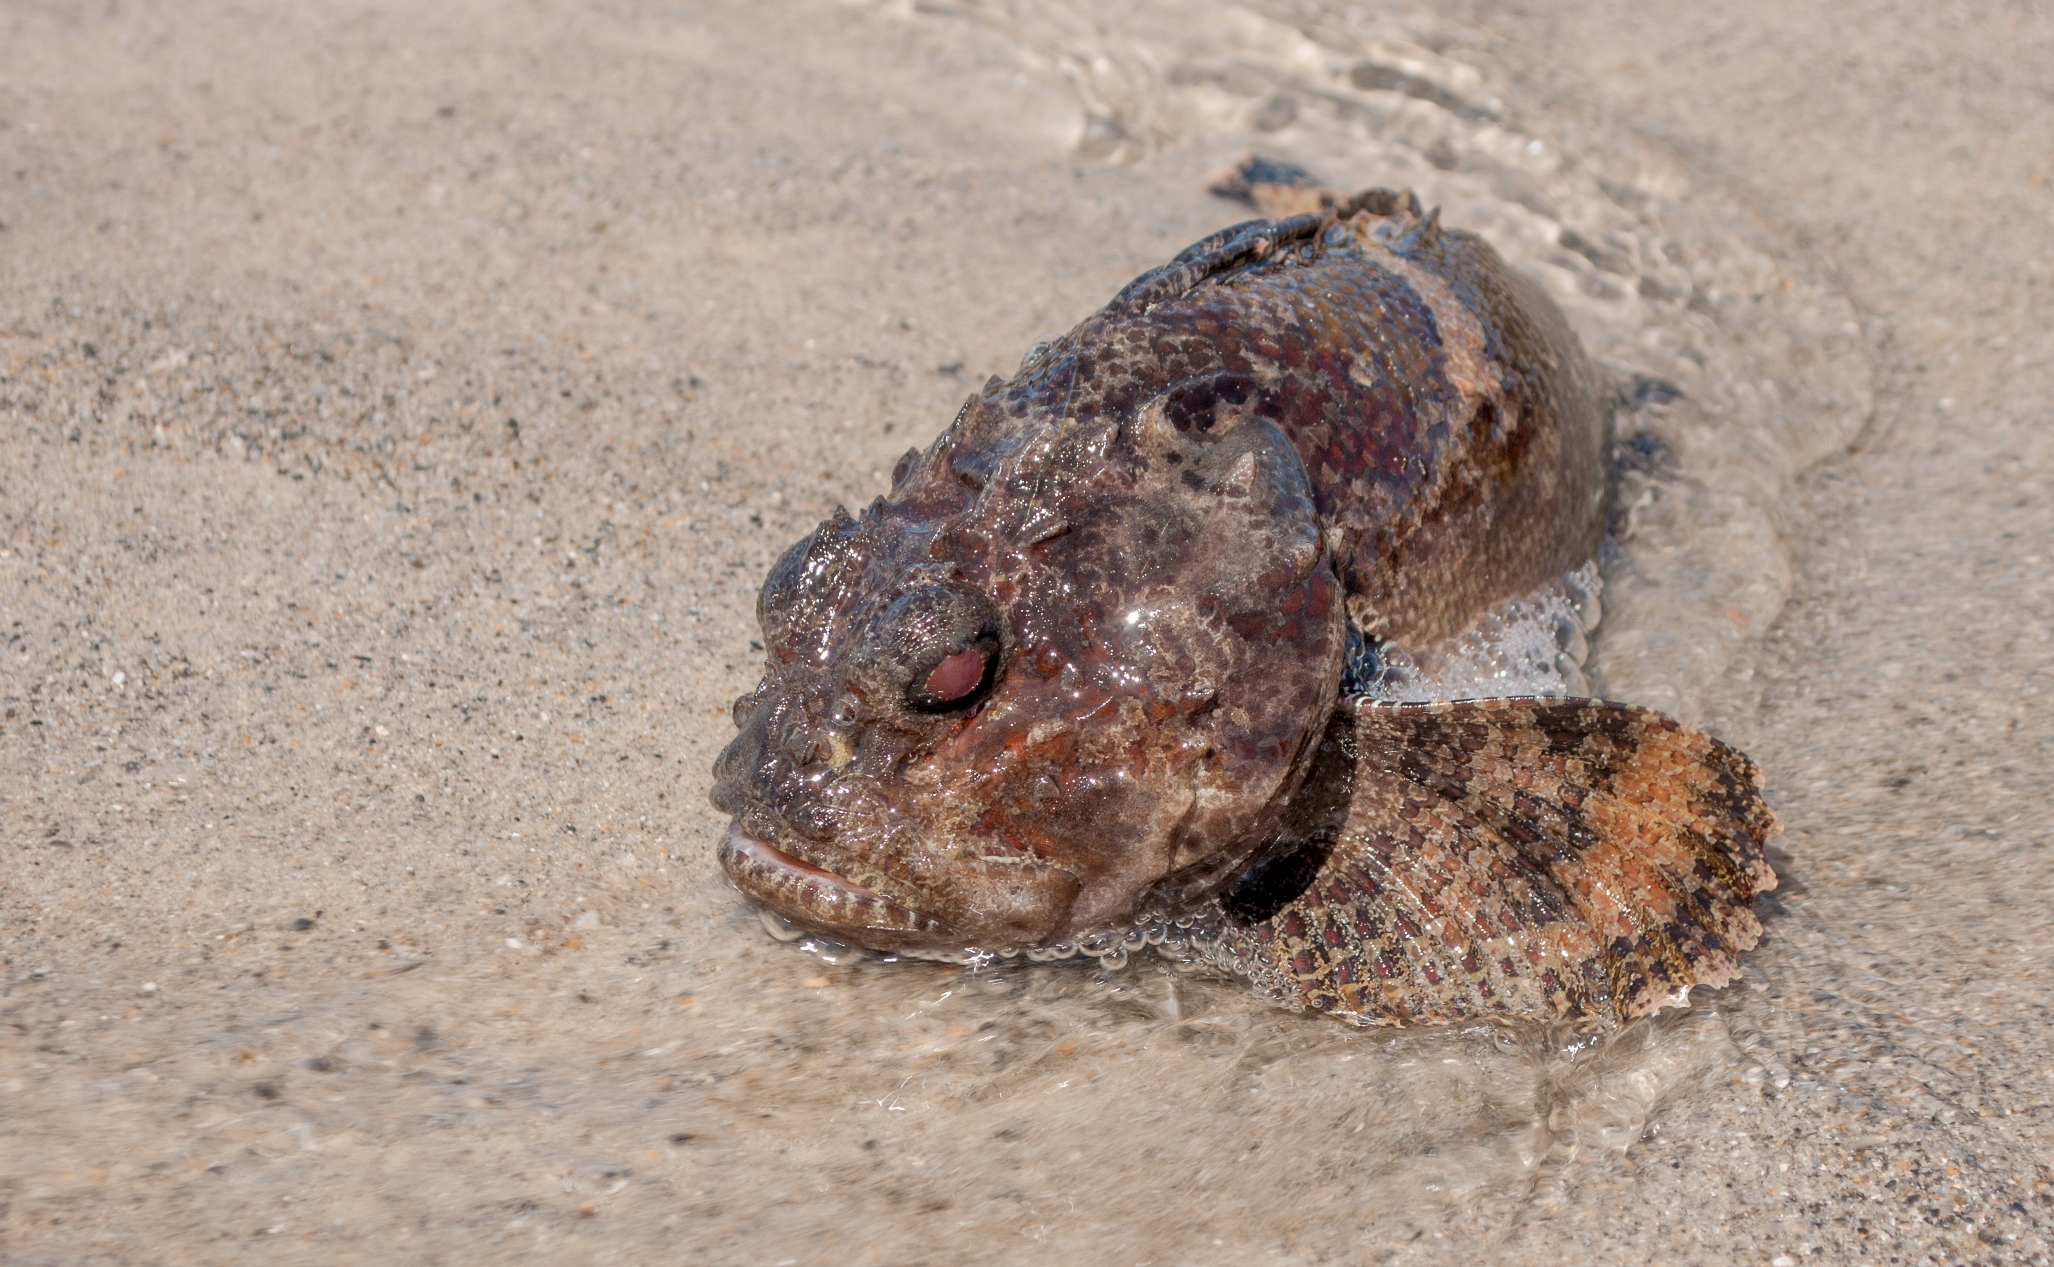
(1523, 858)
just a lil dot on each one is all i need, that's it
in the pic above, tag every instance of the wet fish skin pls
(1158, 529)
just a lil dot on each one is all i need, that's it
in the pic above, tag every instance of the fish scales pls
(1432, 392)
(1082, 668)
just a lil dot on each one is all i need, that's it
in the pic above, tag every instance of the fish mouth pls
(814, 897)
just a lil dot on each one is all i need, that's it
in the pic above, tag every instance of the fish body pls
(1083, 666)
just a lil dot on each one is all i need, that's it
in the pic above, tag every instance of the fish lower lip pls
(817, 898)
(763, 851)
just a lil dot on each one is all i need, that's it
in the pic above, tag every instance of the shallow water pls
(396, 462)
(1483, 1122)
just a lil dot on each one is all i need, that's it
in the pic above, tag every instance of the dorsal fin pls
(1222, 252)
(1418, 234)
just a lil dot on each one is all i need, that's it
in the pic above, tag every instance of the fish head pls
(1068, 672)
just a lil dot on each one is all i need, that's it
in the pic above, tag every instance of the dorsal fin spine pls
(1211, 256)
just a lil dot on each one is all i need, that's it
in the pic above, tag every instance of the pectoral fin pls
(1523, 858)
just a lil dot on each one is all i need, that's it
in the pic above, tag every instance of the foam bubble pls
(1531, 646)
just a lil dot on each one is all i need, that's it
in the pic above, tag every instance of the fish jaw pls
(986, 903)
(903, 875)
(817, 898)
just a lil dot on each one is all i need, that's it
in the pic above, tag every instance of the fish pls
(1091, 674)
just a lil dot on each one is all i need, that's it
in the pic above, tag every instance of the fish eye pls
(936, 648)
(957, 680)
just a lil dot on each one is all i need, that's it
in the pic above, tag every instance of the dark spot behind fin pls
(1311, 825)
(1275, 881)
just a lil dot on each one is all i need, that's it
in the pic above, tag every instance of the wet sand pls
(403, 409)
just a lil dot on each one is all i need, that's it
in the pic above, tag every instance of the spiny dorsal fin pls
(1523, 858)
(1230, 248)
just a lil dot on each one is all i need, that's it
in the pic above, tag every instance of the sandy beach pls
(402, 407)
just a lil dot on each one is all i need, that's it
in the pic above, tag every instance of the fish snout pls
(778, 737)
(802, 753)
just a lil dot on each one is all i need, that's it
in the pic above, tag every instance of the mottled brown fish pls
(1081, 671)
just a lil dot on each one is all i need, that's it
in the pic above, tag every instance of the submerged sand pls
(403, 406)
